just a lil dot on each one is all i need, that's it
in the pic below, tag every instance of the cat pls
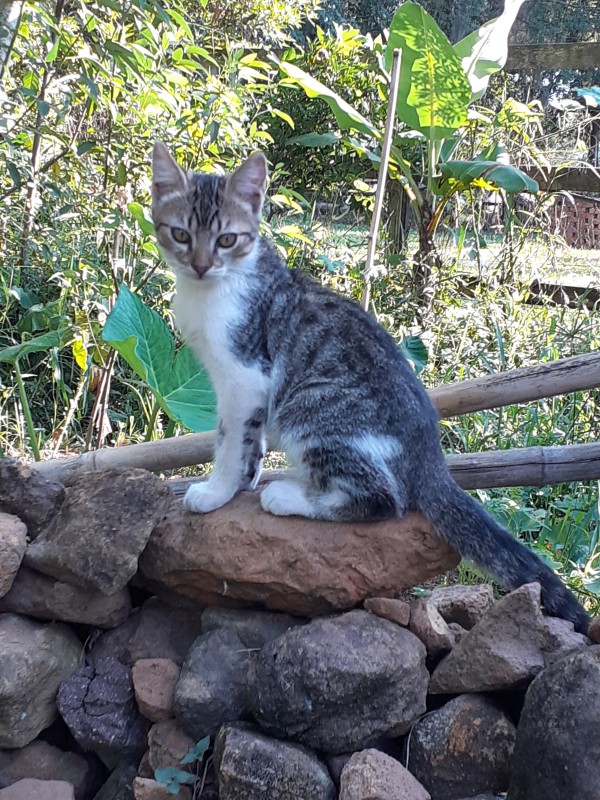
(292, 360)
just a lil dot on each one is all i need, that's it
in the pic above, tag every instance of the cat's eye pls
(227, 239)
(180, 235)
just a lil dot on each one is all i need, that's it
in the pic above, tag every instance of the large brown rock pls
(34, 659)
(241, 553)
(101, 529)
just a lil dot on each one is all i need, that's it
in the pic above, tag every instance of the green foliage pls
(173, 777)
(179, 384)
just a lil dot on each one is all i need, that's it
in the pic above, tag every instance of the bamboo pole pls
(519, 385)
(506, 388)
(370, 272)
(528, 466)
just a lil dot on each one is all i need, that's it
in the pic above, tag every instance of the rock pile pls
(145, 651)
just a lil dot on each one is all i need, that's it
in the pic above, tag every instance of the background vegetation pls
(88, 86)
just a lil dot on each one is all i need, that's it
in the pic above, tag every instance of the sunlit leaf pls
(179, 383)
(487, 175)
(37, 344)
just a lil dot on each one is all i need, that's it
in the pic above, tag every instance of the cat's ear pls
(249, 181)
(167, 175)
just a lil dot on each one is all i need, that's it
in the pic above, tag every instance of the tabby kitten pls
(291, 359)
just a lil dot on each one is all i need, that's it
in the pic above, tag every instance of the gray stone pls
(13, 541)
(164, 631)
(212, 688)
(594, 630)
(101, 529)
(462, 749)
(114, 643)
(557, 752)
(250, 766)
(47, 763)
(43, 597)
(34, 659)
(504, 650)
(255, 628)
(29, 495)
(168, 743)
(465, 605)
(119, 785)
(373, 775)
(337, 684)
(33, 789)
(99, 708)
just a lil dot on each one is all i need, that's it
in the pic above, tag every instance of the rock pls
(114, 643)
(154, 681)
(429, 626)
(560, 639)
(250, 766)
(335, 765)
(594, 630)
(462, 749)
(32, 789)
(119, 785)
(255, 628)
(397, 611)
(101, 529)
(338, 683)
(34, 659)
(149, 789)
(13, 541)
(465, 605)
(373, 775)
(557, 752)
(241, 553)
(457, 631)
(164, 631)
(42, 597)
(506, 649)
(47, 763)
(212, 688)
(29, 495)
(98, 705)
(167, 745)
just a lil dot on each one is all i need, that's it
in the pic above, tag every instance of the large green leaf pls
(178, 382)
(347, 118)
(485, 51)
(37, 344)
(486, 175)
(434, 93)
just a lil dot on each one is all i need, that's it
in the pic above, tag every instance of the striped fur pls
(292, 360)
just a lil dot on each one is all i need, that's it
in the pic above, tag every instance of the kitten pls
(291, 358)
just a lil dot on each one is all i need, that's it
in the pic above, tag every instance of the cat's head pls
(206, 225)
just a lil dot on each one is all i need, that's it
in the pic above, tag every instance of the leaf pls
(137, 212)
(54, 51)
(37, 344)
(196, 753)
(172, 778)
(413, 348)
(179, 383)
(315, 139)
(487, 175)
(347, 118)
(434, 93)
(14, 173)
(485, 51)
(79, 354)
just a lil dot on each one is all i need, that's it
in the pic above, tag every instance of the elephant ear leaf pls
(180, 385)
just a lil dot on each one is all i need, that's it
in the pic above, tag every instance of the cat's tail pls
(469, 529)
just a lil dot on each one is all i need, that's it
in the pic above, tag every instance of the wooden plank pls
(557, 55)
(543, 292)
(586, 180)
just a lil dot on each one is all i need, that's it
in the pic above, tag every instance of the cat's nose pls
(200, 270)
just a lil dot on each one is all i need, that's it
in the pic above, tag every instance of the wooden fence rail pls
(515, 386)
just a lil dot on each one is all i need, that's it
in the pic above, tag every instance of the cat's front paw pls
(285, 498)
(202, 498)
